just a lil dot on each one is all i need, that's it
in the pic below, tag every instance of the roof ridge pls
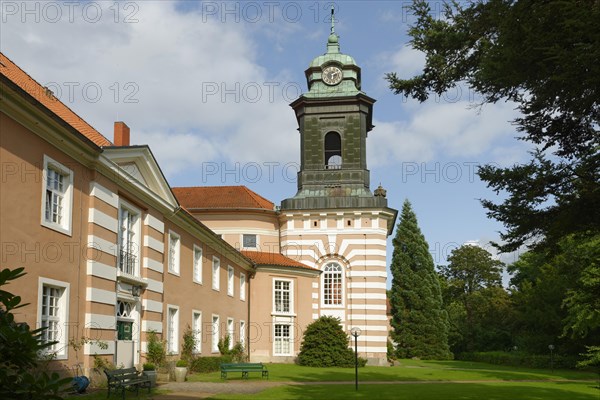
(253, 194)
(32, 92)
(271, 258)
(227, 197)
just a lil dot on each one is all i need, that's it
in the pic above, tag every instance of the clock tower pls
(334, 222)
(334, 118)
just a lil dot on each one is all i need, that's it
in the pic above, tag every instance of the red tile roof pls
(267, 258)
(220, 197)
(20, 78)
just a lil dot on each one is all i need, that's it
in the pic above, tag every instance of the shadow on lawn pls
(435, 391)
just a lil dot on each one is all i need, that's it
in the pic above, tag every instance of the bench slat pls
(244, 368)
(125, 378)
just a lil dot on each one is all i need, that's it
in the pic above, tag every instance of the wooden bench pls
(125, 378)
(244, 368)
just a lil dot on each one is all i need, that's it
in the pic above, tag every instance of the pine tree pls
(419, 321)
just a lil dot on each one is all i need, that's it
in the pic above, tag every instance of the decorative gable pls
(137, 165)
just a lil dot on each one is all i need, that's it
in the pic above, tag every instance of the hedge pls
(517, 359)
(208, 364)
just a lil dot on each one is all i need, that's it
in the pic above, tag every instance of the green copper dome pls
(343, 83)
(333, 54)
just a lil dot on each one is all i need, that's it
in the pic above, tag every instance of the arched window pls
(332, 285)
(333, 150)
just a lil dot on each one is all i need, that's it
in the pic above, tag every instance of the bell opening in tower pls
(333, 151)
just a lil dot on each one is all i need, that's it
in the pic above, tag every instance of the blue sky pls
(207, 86)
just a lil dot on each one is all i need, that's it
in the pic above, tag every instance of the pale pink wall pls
(232, 224)
(25, 242)
(261, 335)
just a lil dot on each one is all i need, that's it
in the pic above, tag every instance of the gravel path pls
(201, 390)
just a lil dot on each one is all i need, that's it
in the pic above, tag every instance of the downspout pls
(249, 299)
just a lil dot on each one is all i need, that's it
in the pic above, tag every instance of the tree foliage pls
(537, 292)
(419, 321)
(543, 56)
(325, 344)
(21, 376)
(555, 295)
(480, 309)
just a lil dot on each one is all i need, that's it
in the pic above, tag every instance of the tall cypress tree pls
(419, 321)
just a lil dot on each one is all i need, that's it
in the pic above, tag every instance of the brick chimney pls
(121, 134)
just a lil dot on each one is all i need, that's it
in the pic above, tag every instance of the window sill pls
(56, 227)
(283, 314)
(176, 273)
(55, 356)
(124, 277)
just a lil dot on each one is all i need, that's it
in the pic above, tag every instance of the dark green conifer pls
(419, 321)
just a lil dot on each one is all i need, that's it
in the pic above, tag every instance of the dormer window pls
(333, 151)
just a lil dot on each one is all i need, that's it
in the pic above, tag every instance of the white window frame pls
(66, 220)
(230, 280)
(216, 273)
(60, 349)
(174, 253)
(134, 245)
(231, 332)
(198, 260)
(290, 299)
(255, 247)
(197, 330)
(281, 338)
(172, 329)
(215, 321)
(242, 286)
(324, 277)
(243, 333)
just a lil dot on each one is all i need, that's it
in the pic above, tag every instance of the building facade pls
(112, 252)
(334, 225)
(109, 253)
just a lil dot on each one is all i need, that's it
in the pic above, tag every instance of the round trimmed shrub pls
(325, 344)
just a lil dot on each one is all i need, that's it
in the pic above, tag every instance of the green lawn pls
(432, 391)
(412, 380)
(409, 370)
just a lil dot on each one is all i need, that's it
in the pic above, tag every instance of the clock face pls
(332, 75)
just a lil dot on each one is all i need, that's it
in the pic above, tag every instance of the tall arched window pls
(332, 284)
(333, 150)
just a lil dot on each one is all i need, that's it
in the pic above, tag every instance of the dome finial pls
(333, 44)
(332, 20)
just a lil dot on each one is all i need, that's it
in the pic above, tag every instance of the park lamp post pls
(356, 333)
(551, 348)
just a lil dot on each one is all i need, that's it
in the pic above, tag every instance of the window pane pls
(332, 284)
(249, 241)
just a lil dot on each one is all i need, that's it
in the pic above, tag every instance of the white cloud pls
(181, 81)
(180, 151)
(406, 61)
(439, 130)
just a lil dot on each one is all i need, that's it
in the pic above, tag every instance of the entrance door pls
(126, 334)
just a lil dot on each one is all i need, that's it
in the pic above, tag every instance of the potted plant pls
(149, 370)
(156, 354)
(180, 370)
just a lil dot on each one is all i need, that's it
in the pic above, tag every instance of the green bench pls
(244, 368)
(125, 379)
